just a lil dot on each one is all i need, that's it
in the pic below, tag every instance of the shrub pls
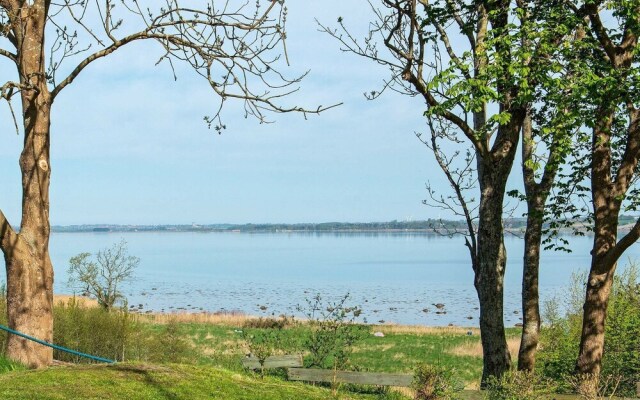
(93, 331)
(333, 332)
(433, 382)
(170, 345)
(517, 385)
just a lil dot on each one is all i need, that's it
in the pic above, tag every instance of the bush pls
(560, 337)
(170, 345)
(94, 331)
(433, 382)
(517, 385)
(333, 332)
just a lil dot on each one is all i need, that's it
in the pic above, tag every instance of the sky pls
(129, 145)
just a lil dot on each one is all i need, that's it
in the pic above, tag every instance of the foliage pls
(171, 345)
(332, 332)
(117, 335)
(561, 336)
(480, 68)
(517, 385)
(433, 382)
(93, 331)
(103, 277)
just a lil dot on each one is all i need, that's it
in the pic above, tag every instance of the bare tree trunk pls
(29, 303)
(29, 269)
(489, 277)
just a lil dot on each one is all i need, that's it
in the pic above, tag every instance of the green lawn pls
(147, 382)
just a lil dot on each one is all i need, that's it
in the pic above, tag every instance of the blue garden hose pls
(42, 342)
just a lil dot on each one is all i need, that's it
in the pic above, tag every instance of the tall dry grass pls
(425, 330)
(232, 318)
(474, 349)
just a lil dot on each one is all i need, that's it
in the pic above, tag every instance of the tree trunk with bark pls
(600, 280)
(492, 257)
(607, 194)
(615, 157)
(29, 269)
(606, 206)
(489, 283)
(537, 193)
(530, 296)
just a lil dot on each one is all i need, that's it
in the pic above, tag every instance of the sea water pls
(393, 277)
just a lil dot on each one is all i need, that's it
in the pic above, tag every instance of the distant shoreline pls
(430, 226)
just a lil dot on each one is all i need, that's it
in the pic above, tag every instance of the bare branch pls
(235, 50)
(460, 180)
(9, 55)
(97, 55)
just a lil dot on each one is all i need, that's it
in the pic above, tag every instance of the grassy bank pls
(147, 382)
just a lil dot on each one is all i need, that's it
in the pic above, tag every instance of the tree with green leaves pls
(237, 47)
(476, 66)
(600, 181)
(547, 142)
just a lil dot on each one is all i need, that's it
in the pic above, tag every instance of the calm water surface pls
(394, 277)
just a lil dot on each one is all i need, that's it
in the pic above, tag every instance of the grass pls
(216, 371)
(218, 348)
(400, 350)
(147, 382)
(8, 366)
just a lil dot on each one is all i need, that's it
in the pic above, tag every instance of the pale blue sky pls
(129, 144)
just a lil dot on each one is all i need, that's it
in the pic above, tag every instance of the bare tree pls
(236, 47)
(103, 278)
